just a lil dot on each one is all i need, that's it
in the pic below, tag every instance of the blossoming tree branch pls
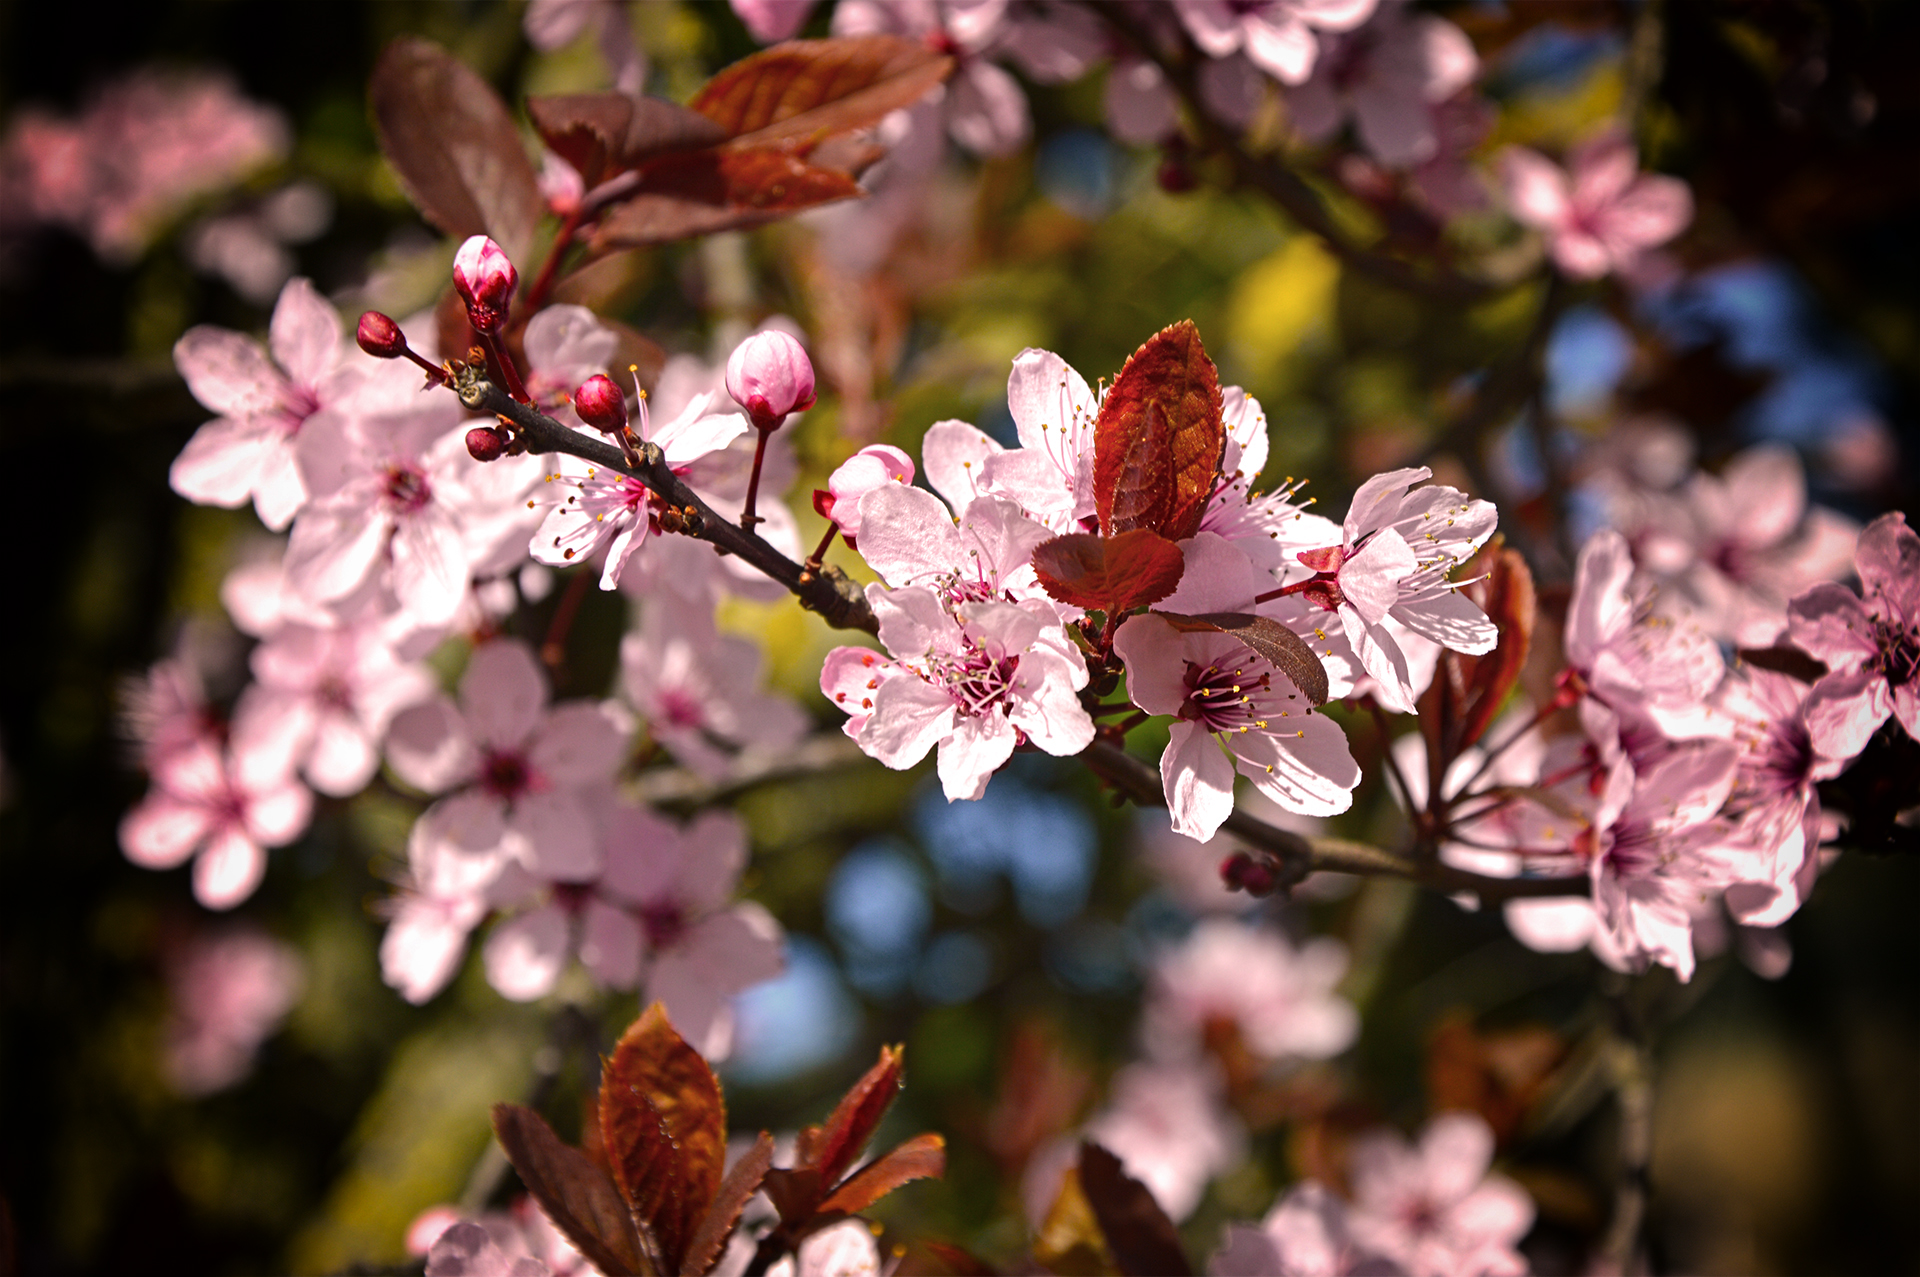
(1655, 750)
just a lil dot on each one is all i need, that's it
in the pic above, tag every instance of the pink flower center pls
(976, 681)
(1234, 699)
(664, 923)
(506, 774)
(297, 403)
(681, 708)
(406, 487)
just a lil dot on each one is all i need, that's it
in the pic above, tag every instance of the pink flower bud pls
(871, 468)
(485, 444)
(768, 375)
(600, 404)
(380, 336)
(485, 280)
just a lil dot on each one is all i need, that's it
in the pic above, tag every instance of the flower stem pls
(543, 283)
(501, 361)
(747, 516)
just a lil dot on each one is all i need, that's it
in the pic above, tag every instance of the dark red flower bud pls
(601, 405)
(485, 444)
(1242, 872)
(380, 336)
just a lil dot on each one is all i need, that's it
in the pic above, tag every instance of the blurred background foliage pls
(1001, 941)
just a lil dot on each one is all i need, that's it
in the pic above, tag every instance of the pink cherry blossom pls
(846, 1249)
(1739, 544)
(399, 505)
(145, 148)
(455, 859)
(1270, 527)
(1625, 653)
(771, 21)
(1169, 1127)
(324, 697)
(592, 508)
(467, 1250)
(1277, 35)
(1388, 76)
(985, 108)
(248, 452)
(986, 553)
(230, 991)
(166, 711)
(1050, 475)
(1879, 631)
(1219, 689)
(1600, 213)
(504, 748)
(565, 346)
(554, 24)
(873, 467)
(1279, 997)
(1306, 1234)
(770, 376)
(1791, 737)
(660, 916)
(1140, 104)
(1398, 544)
(222, 809)
(698, 691)
(1435, 1209)
(973, 679)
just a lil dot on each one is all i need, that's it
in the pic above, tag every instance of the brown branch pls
(1300, 856)
(828, 591)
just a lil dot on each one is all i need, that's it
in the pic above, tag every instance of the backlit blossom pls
(699, 691)
(222, 809)
(659, 915)
(248, 452)
(1280, 998)
(1277, 35)
(1626, 653)
(1220, 690)
(1306, 1234)
(1435, 1210)
(1388, 76)
(1879, 630)
(504, 748)
(1600, 213)
(1397, 545)
(1169, 1127)
(594, 508)
(230, 991)
(973, 679)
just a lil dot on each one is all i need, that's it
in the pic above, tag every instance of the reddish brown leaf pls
(1138, 1233)
(602, 134)
(577, 1196)
(922, 1157)
(454, 145)
(1506, 595)
(794, 1193)
(700, 192)
(665, 1127)
(1112, 574)
(1159, 437)
(834, 1146)
(805, 90)
(710, 1238)
(1284, 649)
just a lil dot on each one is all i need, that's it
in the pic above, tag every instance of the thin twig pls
(1622, 1251)
(1140, 782)
(829, 591)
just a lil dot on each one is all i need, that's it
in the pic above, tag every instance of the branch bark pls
(828, 591)
(1140, 782)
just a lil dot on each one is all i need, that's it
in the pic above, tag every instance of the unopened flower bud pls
(871, 468)
(380, 336)
(485, 280)
(485, 444)
(601, 405)
(768, 374)
(1241, 872)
